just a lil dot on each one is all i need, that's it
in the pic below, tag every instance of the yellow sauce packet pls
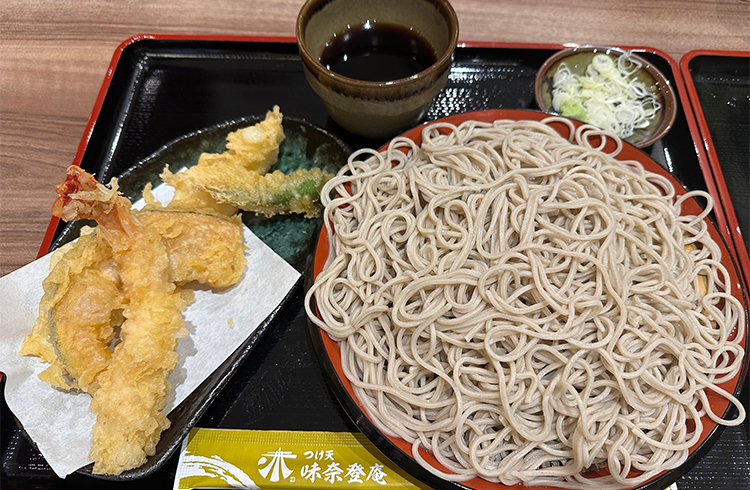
(264, 459)
(226, 458)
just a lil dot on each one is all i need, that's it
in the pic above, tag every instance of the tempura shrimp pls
(133, 388)
(83, 299)
(130, 272)
(127, 267)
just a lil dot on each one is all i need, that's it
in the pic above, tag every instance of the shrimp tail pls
(82, 197)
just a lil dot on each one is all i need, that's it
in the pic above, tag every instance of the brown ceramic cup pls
(376, 108)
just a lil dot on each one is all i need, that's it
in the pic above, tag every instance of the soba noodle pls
(525, 307)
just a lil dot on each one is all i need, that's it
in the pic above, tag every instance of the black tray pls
(161, 88)
(718, 85)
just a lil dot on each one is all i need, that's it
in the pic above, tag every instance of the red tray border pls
(710, 166)
(679, 85)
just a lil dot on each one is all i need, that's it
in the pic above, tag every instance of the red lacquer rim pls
(629, 152)
(710, 166)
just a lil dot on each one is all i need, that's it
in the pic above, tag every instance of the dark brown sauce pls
(378, 52)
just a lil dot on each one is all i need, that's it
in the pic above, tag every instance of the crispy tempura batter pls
(125, 273)
(252, 149)
(81, 304)
(83, 293)
(187, 197)
(133, 388)
(200, 248)
(129, 269)
(236, 180)
(269, 194)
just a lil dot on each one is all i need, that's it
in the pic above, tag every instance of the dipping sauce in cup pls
(378, 52)
(377, 65)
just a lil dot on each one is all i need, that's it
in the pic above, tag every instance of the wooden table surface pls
(54, 56)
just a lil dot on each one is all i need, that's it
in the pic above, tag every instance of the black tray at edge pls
(162, 89)
(722, 85)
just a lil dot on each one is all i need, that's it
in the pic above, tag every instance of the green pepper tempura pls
(224, 183)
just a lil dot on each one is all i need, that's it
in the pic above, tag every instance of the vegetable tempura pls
(223, 183)
(133, 388)
(237, 188)
(77, 314)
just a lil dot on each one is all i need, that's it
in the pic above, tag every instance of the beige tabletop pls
(54, 56)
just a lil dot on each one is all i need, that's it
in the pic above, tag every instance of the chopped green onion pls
(607, 95)
(603, 64)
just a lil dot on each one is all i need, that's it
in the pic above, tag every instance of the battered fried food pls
(133, 388)
(152, 252)
(201, 248)
(128, 276)
(269, 194)
(82, 304)
(83, 299)
(135, 262)
(236, 180)
(254, 147)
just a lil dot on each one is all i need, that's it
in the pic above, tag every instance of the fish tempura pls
(83, 299)
(255, 147)
(201, 248)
